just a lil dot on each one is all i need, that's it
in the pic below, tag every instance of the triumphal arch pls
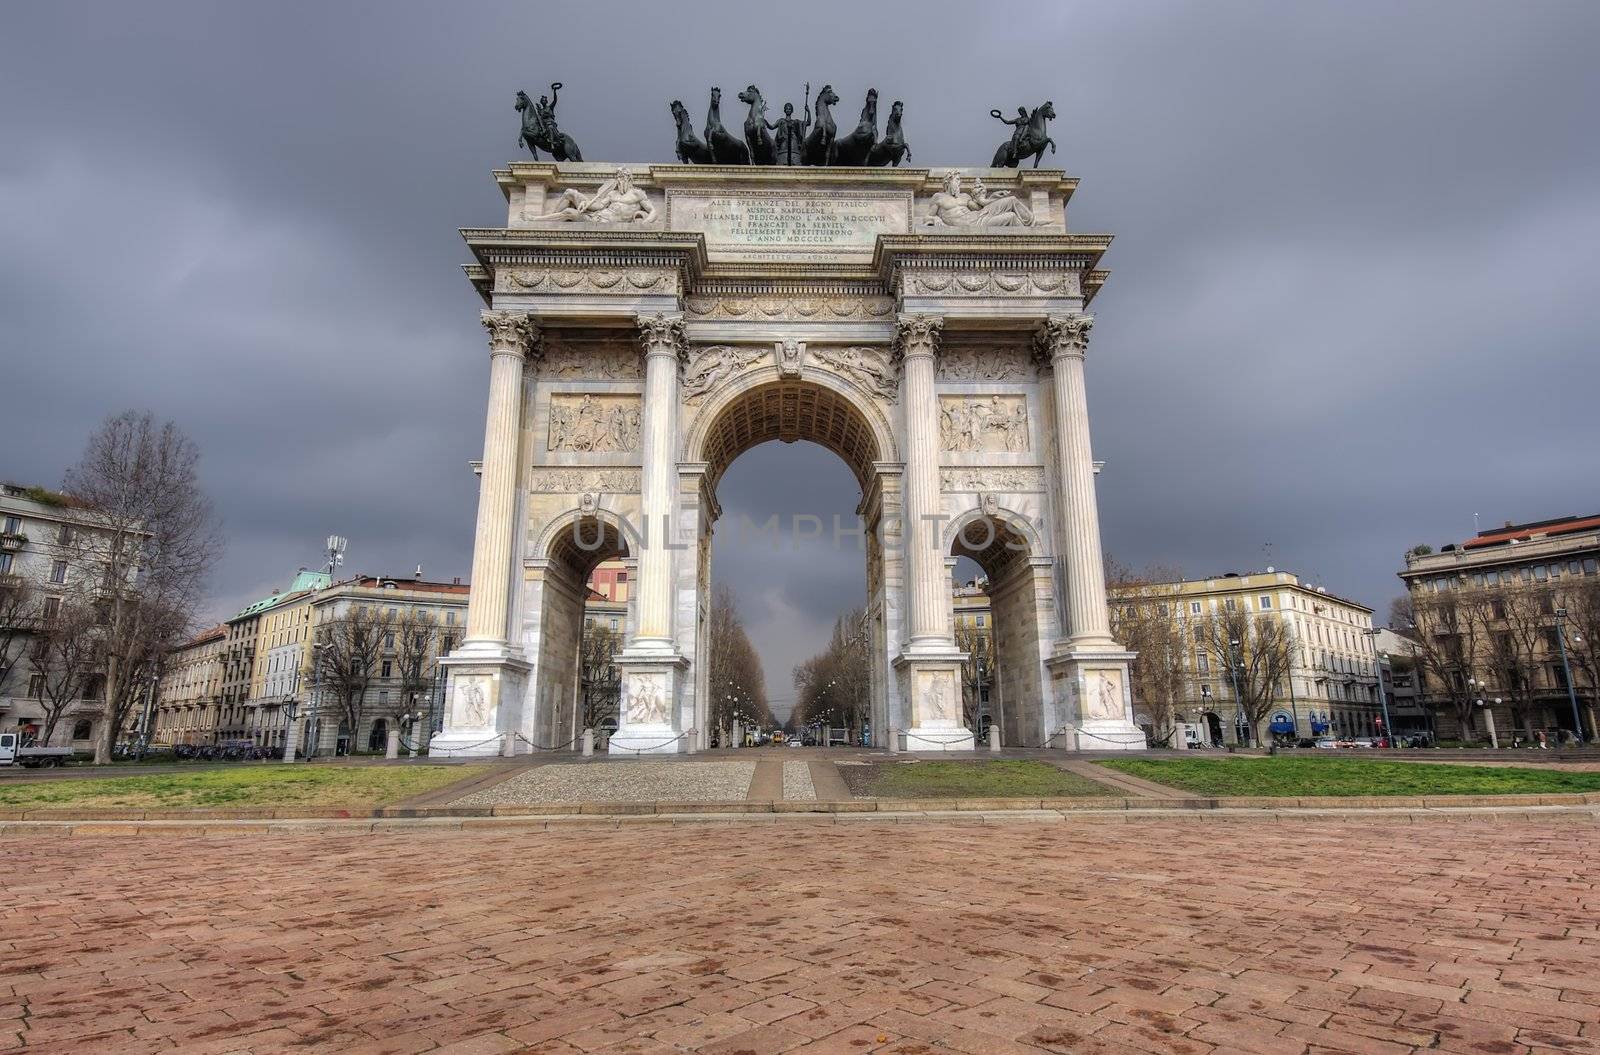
(647, 324)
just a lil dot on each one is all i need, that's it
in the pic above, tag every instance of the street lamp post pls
(1240, 722)
(1205, 702)
(1566, 670)
(1377, 675)
(1476, 687)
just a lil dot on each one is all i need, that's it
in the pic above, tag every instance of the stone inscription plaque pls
(794, 225)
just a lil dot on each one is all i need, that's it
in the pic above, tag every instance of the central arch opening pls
(791, 567)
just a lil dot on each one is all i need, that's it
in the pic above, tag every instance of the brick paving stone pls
(1094, 936)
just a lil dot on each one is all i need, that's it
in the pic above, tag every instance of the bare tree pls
(1581, 598)
(351, 645)
(63, 653)
(416, 655)
(1256, 653)
(737, 683)
(19, 617)
(1445, 627)
(977, 670)
(599, 679)
(1513, 623)
(831, 687)
(151, 538)
(1146, 619)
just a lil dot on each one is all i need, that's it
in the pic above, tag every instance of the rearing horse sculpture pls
(854, 148)
(1031, 140)
(892, 147)
(725, 149)
(822, 143)
(539, 129)
(756, 136)
(691, 151)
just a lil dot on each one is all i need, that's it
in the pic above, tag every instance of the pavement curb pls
(1561, 814)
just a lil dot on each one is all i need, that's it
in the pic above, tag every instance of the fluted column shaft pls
(1064, 340)
(511, 337)
(663, 340)
(918, 337)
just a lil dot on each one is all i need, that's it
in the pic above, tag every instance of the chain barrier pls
(541, 747)
(466, 747)
(652, 747)
(1047, 742)
(1120, 743)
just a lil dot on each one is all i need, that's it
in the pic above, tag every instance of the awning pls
(1281, 727)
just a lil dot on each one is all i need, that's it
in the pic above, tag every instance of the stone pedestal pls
(648, 707)
(1093, 689)
(484, 704)
(933, 688)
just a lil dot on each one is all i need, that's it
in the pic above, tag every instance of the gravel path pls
(621, 782)
(797, 781)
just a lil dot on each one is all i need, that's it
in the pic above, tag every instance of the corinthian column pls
(917, 338)
(512, 337)
(663, 340)
(1063, 341)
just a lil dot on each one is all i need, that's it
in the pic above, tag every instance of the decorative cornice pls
(511, 333)
(917, 335)
(1063, 335)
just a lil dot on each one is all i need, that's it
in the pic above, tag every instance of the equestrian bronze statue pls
(726, 149)
(691, 151)
(539, 131)
(822, 144)
(855, 147)
(892, 147)
(1029, 136)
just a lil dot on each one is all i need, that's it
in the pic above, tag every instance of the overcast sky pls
(1353, 298)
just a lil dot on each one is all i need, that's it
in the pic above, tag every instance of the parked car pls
(794, 741)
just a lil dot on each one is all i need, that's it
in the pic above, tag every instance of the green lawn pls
(967, 780)
(247, 787)
(1345, 776)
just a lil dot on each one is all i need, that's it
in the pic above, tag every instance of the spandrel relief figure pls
(714, 366)
(867, 367)
(955, 207)
(616, 201)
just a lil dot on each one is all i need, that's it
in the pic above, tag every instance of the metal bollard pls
(588, 743)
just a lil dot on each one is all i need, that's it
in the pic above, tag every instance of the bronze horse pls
(725, 149)
(855, 147)
(822, 143)
(539, 132)
(691, 151)
(892, 147)
(1030, 141)
(756, 136)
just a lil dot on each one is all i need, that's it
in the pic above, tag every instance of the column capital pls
(662, 334)
(917, 335)
(1063, 335)
(511, 333)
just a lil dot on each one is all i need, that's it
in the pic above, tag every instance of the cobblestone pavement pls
(1191, 936)
(797, 780)
(677, 781)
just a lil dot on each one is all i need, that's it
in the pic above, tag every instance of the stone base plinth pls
(483, 703)
(940, 738)
(649, 706)
(1093, 690)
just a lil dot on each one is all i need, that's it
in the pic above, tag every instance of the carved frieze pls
(974, 362)
(1004, 479)
(710, 367)
(991, 283)
(581, 481)
(619, 281)
(817, 309)
(979, 423)
(870, 368)
(597, 424)
(590, 360)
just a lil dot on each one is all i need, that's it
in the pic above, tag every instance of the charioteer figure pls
(789, 132)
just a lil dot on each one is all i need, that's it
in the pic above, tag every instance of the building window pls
(387, 667)
(1202, 662)
(5, 563)
(58, 571)
(82, 729)
(13, 526)
(1194, 607)
(613, 622)
(64, 535)
(1229, 604)
(36, 686)
(982, 620)
(388, 639)
(1265, 601)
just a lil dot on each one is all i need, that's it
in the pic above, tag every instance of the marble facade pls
(636, 352)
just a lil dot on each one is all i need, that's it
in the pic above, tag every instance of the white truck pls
(14, 753)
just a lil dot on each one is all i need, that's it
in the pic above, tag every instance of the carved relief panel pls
(594, 423)
(983, 423)
(589, 360)
(980, 362)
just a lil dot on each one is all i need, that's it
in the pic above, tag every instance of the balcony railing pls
(11, 541)
(10, 581)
